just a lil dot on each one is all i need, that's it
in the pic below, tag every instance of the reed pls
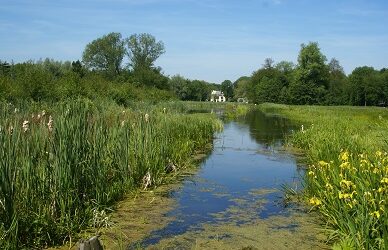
(61, 167)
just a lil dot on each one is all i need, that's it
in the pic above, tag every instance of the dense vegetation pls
(60, 167)
(111, 68)
(314, 81)
(347, 181)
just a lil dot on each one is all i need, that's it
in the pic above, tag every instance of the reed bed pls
(347, 180)
(60, 168)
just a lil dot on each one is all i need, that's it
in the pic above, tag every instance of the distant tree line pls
(122, 69)
(314, 81)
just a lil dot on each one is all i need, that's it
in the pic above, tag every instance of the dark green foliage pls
(366, 87)
(311, 76)
(52, 81)
(312, 81)
(227, 89)
(105, 54)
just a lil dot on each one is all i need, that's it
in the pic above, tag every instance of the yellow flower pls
(375, 214)
(345, 165)
(323, 164)
(379, 153)
(344, 156)
(380, 190)
(329, 186)
(347, 184)
(315, 201)
(384, 180)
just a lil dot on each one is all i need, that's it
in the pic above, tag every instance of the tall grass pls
(347, 180)
(58, 167)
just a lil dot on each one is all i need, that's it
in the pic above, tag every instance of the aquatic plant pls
(60, 170)
(348, 169)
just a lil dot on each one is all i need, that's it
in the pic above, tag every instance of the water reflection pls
(244, 172)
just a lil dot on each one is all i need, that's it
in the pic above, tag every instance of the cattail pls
(25, 126)
(10, 130)
(147, 180)
(146, 117)
(50, 124)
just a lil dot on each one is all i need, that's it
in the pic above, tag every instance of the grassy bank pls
(347, 180)
(60, 168)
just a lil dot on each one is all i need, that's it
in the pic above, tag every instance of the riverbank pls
(62, 168)
(347, 178)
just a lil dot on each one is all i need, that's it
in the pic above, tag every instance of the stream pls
(235, 199)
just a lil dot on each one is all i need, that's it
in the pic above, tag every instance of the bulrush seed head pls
(25, 126)
(50, 124)
(10, 130)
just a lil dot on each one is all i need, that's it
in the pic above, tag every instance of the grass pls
(347, 178)
(59, 177)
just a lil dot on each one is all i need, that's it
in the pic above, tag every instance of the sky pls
(210, 40)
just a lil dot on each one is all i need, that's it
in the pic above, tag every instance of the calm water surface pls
(247, 163)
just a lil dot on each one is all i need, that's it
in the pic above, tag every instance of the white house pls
(217, 96)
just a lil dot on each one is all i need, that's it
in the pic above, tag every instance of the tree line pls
(123, 69)
(314, 81)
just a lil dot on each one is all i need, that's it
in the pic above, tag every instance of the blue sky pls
(211, 40)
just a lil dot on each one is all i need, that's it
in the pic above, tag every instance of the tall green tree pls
(105, 54)
(227, 89)
(364, 86)
(267, 83)
(311, 76)
(143, 50)
(337, 81)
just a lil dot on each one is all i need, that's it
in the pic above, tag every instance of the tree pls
(143, 50)
(4, 68)
(76, 67)
(365, 86)
(227, 88)
(268, 63)
(311, 76)
(179, 86)
(105, 54)
(267, 84)
(337, 80)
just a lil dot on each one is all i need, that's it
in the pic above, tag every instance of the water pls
(240, 181)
